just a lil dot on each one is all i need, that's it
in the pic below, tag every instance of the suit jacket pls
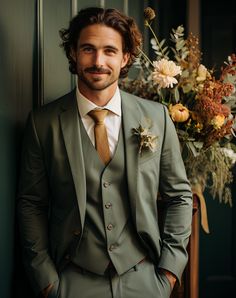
(52, 192)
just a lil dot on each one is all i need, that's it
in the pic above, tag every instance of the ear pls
(125, 60)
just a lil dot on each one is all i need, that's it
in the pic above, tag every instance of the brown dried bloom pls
(194, 55)
(230, 68)
(217, 90)
(215, 135)
(206, 109)
(149, 15)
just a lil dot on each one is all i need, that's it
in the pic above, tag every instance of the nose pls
(98, 58)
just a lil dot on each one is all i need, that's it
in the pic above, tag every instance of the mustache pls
(97, 70)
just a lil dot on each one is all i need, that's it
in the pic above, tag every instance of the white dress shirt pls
(112, 120)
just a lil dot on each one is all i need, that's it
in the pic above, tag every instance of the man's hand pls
(170, 276)
(45, 292)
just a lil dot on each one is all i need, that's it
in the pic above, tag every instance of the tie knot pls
(98, 115)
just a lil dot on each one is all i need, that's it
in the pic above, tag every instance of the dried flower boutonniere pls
(147, 141)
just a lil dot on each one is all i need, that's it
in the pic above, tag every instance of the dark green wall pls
(218, 249)
(16, 68)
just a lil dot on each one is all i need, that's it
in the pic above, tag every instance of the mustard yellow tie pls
(100, 134)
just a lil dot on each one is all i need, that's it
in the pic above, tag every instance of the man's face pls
(99, 58)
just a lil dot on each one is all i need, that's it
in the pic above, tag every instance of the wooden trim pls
(192, 269)
(102, 3)
(189, 287)
(74, 7)
(126, 7)
(194, 18)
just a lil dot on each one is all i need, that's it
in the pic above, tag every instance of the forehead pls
(100, 34)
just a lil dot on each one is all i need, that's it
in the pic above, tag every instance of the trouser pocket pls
(163, 282)
(54, 293)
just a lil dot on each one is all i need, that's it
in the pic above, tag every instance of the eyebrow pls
(91, 45)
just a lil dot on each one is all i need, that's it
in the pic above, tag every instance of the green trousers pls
(141, 281)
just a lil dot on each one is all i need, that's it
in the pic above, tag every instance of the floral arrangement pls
(201, 105)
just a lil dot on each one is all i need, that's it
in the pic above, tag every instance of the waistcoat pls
(109, 234)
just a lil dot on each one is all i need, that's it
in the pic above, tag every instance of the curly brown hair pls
(113, 18)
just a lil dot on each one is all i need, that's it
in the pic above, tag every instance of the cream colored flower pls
(202, 73)
(164, 73)
(178, 112)
(218, 121)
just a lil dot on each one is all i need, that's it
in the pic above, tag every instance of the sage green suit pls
(52, 191)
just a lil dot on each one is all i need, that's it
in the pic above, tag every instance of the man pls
(88, 218)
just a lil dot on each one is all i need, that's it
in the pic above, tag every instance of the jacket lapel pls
(69, 119)
(131, 119)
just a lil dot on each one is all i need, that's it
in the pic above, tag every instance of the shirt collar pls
(85, 105)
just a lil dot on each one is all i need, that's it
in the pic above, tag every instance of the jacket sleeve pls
(177, 200)
(33, 209)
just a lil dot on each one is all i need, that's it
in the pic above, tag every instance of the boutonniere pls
(147, 141)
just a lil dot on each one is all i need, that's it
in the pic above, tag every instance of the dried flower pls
(202, 73)
(194, 54)
(179, 113)
(149, 15)
(198, 127)
(218, 121)
(147, 141)
(164, 73)
(230, 69)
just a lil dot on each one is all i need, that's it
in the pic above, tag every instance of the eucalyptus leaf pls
(192, 148)
(166, 56)
(185, 73)
(162, 42)
(184, 55)
(165, 49)
(229, 78)
(180, 44)
(158, 53)
(153, 41)
(176, 94)
(187, 88)
(155, 47)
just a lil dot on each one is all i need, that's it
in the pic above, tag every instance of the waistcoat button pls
(112, 247)
(110, 227)
(106, 184)
(108, 205)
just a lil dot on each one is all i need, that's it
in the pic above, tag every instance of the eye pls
(110, 51)
(87, 49)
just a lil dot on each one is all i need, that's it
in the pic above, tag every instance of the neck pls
(98, 97)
